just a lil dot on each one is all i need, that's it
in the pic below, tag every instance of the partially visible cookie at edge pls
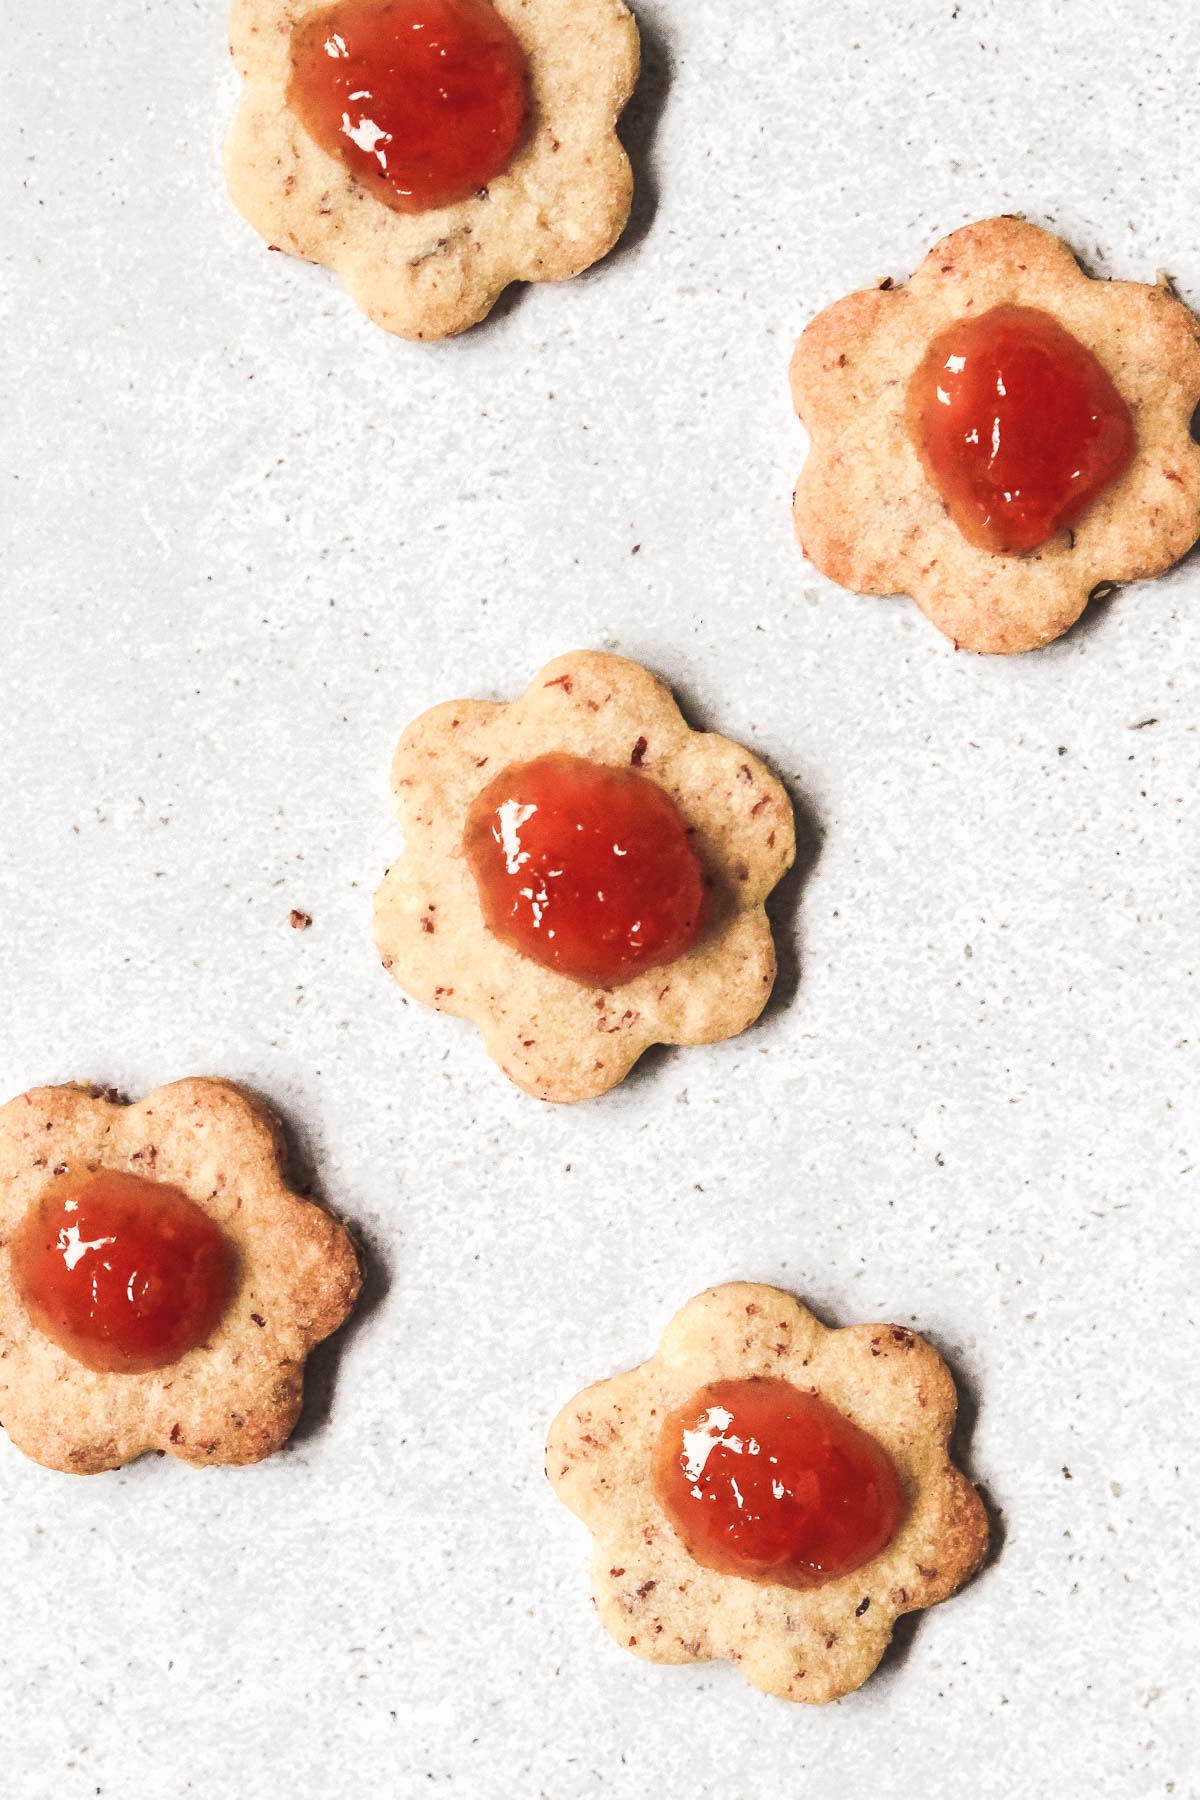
(558, 207)
(296, 1276)
(868, 516)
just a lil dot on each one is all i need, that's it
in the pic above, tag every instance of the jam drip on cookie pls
(122, 1273)
(763, 1480)
(1019, 427)
(425, 101)
(589, 870)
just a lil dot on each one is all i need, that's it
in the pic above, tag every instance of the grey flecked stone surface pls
(245, 538)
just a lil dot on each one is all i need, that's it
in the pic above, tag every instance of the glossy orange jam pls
(425, 101)
(586, 869)
(763, 1480)
(124, 1274)
(1018, 425)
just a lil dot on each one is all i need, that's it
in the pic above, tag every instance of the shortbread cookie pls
(431, 167)
(1000, 438)
(160, 1284)
(769, 1492)
(648, 928)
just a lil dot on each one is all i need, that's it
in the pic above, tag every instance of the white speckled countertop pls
(245, 538)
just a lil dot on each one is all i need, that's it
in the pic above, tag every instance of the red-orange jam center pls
(765, 1481)
(426, 101)
(123, 1273)
(1018, 425)
(587, 869)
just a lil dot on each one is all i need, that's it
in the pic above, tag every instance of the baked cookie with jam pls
(160, 1284)
(583, 874)
(433, 151)
(1001, 438)
(769, 1492)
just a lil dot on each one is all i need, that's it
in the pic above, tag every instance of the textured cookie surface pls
(866, 513)
(556, 1038)
(809, 1645)
(233, 1399)
(558, 207)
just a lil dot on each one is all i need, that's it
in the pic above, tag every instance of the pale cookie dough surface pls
(810, 1645)
(557, 1038)
(560, 205)
(866, 513)
(234, 1399)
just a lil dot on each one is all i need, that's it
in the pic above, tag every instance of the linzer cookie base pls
(548, 191)
(570, 1036)
(287, 1277)
(812, 1635)
(869, 515)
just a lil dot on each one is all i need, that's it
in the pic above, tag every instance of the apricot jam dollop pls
(123, 1273)
(587, 869)
(1019, 427)
(425, 101)
(763, 1480)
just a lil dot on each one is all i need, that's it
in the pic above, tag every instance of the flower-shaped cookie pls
(558, 1037)
(812, 1643)
(558, 205)
(868, 514)
(287, 1276)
